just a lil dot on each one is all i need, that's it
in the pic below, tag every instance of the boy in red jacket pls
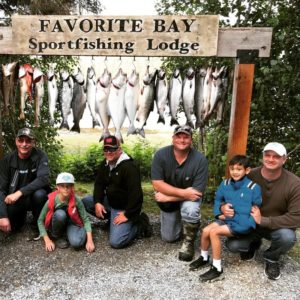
(64, 213)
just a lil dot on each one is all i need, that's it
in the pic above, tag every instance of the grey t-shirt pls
(193, 172)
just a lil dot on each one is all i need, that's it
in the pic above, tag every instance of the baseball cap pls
(26, 132)
(183, 129)
(65, 178)
(276, 147)
(111, 142)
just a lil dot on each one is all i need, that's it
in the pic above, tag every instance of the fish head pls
(50, 74)
(64, 75)
(37, 74)
(161, 74)
(28, 68)
(120, 79)
(190, 73)
(90, 72)
(176, 73)
(105, 79)
(134, 77)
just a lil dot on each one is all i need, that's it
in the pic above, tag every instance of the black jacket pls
(121, 185)
(35, 175)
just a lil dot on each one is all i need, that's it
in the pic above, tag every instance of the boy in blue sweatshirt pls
(241, 193)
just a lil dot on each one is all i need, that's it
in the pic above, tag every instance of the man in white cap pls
(279, 215)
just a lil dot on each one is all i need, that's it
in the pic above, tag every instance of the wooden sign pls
(116, 35)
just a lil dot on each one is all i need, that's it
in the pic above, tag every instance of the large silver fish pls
(207, 92)
(131, 99)
(175, 95)
(102, 93)
(8, 86)
(161, 98)
(52, 94)
(116, 102)
(79, 100)
(199, 85)
(146, 100)
(65, 96)
(223, 93)
(38, 81)
(91, 94)
(188, 95)
(25, 79)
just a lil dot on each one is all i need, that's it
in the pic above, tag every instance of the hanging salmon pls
(38, 81)
(175, 95)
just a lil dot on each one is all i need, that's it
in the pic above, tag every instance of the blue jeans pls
(61, 223)
(282, 240)
(171, 221)
(120, 235)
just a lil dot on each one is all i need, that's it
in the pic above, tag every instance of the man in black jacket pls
(118, 196)
(24, 182)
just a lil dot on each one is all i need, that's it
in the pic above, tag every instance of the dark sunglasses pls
(110, 150)
(24, 139)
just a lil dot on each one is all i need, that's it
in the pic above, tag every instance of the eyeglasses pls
(110, 150)
(25, 140)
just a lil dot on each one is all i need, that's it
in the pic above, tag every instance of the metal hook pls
(134, 67)
(120, 62)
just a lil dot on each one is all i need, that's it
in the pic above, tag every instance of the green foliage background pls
(275, 107)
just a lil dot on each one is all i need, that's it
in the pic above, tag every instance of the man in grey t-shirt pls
(179, 176)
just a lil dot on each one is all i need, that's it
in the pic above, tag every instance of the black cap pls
(26, 132)
(111, 142)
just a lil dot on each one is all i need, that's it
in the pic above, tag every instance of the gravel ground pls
(149, 269)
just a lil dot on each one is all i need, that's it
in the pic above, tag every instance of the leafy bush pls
(84, 166)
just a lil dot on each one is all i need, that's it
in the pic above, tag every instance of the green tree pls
(275, 107)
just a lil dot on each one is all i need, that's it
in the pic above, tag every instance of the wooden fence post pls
(240, 106)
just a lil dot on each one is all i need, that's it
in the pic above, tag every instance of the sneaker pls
(212, 275)
(198, 263)
(272, 270)
(144, 227)
(248, 256)
(34, 234)
(62, 243)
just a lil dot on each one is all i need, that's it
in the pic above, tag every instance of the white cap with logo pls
(276, 147)
(65, 178)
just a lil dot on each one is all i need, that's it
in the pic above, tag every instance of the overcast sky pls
(129, 7)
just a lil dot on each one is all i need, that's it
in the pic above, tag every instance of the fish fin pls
(174, 122)
(104, 135)
(190, 123)
(76, 128)
(64, 125)
(141, 132)
(161, 119)
(131, 130)
(95, 123)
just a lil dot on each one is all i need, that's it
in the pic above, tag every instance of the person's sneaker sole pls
(221, 277)
(272, 278)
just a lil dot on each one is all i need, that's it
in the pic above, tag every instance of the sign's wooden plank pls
(253, 38)
(110, 35)
(229, 41)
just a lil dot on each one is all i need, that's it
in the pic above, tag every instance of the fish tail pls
(105, 134)
(174, 121)
(95, 123)
(119, 137)
(141, 132)
(76, 128)
(64, 125)
(161, 119)
(190, 123)
(131, 130)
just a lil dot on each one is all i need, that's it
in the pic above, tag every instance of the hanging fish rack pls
(230, 42)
